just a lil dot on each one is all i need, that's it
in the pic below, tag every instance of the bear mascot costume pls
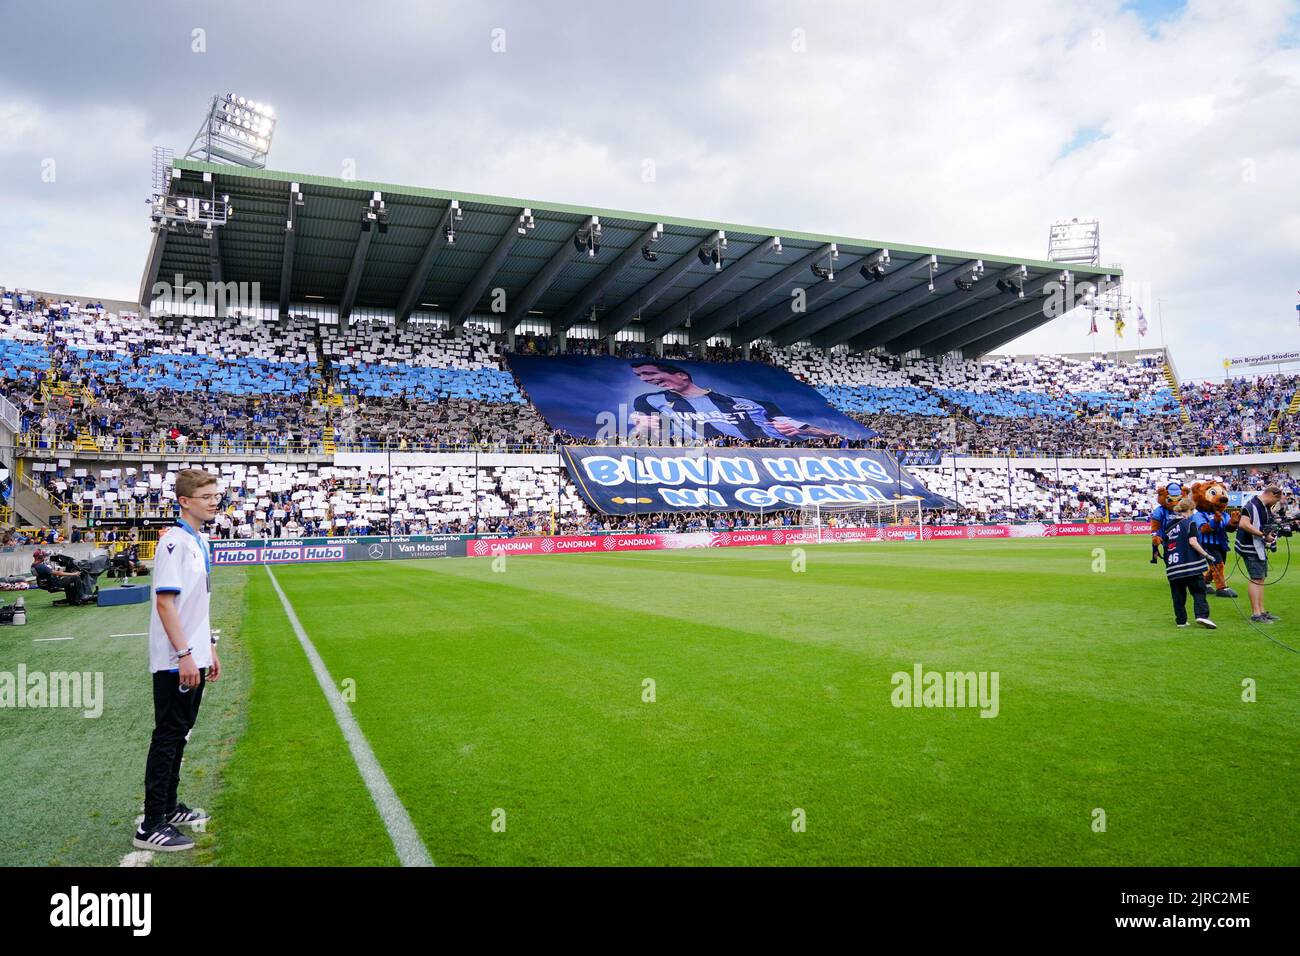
(1213, 523)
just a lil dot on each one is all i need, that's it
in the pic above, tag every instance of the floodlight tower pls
(1076, 241)
(237, 132)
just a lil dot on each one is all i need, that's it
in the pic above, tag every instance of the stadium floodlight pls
(827, 271)
(1075, 241)
(236, 132)
(712, 251)
(873, 269)
(588, 238)
(526, 222)
(1013, 281)
(375, 214)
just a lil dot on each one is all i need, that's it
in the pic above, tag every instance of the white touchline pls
(411, 850)
(38, 639)
(141, 634)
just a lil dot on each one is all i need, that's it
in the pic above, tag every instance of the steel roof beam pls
(1031, 313)
(853, 302)
(977, 310)
(1051, 305)
(1000, 337)
(616, 320)
(538, 285)
(900, 325)
(578, 306)
(478, 285)
(286, 261)
(1030, 308)
(420, 277)
(354, 274)
(871, 317)
(734, 311)
(776, 315)
(682, 310)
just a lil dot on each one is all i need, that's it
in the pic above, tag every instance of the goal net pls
(825, 517)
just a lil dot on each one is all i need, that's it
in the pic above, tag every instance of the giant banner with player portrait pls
(656, 401)
(623, 481)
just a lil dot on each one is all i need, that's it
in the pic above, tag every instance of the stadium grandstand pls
(331, 320)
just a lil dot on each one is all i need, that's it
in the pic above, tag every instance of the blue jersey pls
(1216, 534)
(1181, 559)
(1167, 519)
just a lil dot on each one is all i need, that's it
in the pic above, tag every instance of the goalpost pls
(906, 511)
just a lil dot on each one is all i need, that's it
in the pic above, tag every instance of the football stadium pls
(397, 525)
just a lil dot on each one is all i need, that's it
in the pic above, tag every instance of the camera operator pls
(77, 585)
(1254, 538)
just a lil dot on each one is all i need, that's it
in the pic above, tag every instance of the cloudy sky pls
(954, 124)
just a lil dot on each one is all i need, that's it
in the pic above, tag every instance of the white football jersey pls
(182, 565)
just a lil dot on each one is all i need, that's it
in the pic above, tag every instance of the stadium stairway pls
(1172, 379)
(1291, 409)
(31, 503)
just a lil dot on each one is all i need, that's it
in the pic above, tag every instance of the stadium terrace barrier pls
(379, 548)
(9, 416)
(35, 441)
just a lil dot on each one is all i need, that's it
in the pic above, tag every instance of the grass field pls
(518, 694)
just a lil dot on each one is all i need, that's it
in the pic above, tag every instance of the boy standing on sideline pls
(182, 658)
(1185, 564)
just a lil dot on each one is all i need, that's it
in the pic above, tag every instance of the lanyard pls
(207, 557)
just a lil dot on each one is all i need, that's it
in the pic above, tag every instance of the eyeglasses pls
(207, 498)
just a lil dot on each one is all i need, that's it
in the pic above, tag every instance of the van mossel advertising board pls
(319, 550)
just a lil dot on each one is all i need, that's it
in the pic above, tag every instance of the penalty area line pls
(411, 850)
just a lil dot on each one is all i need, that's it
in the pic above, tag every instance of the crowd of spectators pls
(131, 383)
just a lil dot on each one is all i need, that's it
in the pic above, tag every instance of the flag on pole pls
(1119, 323)
(1093, 313)
(1142, 322)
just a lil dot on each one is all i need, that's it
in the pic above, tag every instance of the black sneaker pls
(1261, 619)
(164, 838)
(183, 816)
(1269, 615)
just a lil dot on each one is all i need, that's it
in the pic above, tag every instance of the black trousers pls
(1179, 588)
(174, 713)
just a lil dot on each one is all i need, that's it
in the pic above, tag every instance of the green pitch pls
(697, 707)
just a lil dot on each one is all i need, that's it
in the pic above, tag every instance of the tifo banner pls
(624, 481)
(658, 401)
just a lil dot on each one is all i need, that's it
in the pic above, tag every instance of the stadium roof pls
(318, 251)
